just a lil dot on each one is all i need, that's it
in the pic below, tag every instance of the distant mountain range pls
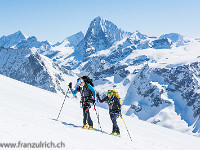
(157, 77)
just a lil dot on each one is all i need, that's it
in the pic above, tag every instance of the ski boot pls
(90, 128)
(115, 134)
(118, 135)
(84, 126)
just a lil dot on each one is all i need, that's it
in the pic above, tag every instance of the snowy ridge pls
(73, 40)
(34, 69)
(12, 40)
(157, 96)
(176, 38)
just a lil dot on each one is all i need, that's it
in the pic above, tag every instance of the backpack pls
(87, 80)
(117, 95)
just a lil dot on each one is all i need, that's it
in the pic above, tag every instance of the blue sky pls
(54, 20)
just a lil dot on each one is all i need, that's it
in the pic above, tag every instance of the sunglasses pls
(109, 93)
(79, 82)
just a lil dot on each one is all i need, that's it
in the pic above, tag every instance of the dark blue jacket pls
(113, 103)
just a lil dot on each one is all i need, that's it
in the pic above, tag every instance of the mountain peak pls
(15, 35)
(98, 19)
(18, 32)
(176, 38)
(138, 36)
(32, 38)
(71, 40)
(99, 22)
(172, 36)
(12, 39)
(100, 35)
(79, 34)
(75, 39)
(32, 42)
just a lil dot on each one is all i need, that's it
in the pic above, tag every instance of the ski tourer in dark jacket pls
(114, 110)
(88, 95)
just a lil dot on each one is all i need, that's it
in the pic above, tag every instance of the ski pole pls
(97, 107)
(98, 119)
(126, 127)
(63, 104)
(97, 110)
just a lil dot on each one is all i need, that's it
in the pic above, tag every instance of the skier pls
(114, 110)
(88, 95)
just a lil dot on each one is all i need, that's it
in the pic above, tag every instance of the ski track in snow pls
(28, 114)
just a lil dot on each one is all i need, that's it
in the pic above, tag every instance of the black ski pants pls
(113, 118)
(86, 115)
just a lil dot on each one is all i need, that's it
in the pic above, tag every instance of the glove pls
(92, 100)
(70, 85)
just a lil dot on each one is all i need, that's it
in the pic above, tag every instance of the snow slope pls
(27, 115)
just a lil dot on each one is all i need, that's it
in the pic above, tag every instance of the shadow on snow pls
(76, 126)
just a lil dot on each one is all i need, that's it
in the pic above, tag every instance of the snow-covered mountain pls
(28, 115)
(32, 42)
(100, 35)
(169, 97)
(157, 77)
(32, 68)
(72, 40)
(43, 47)
(176, 38)
(12, 40)
(63, 49)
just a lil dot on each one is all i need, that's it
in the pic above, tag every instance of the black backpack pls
(87, 80)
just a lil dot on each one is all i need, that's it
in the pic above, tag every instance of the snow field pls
(26, 115)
